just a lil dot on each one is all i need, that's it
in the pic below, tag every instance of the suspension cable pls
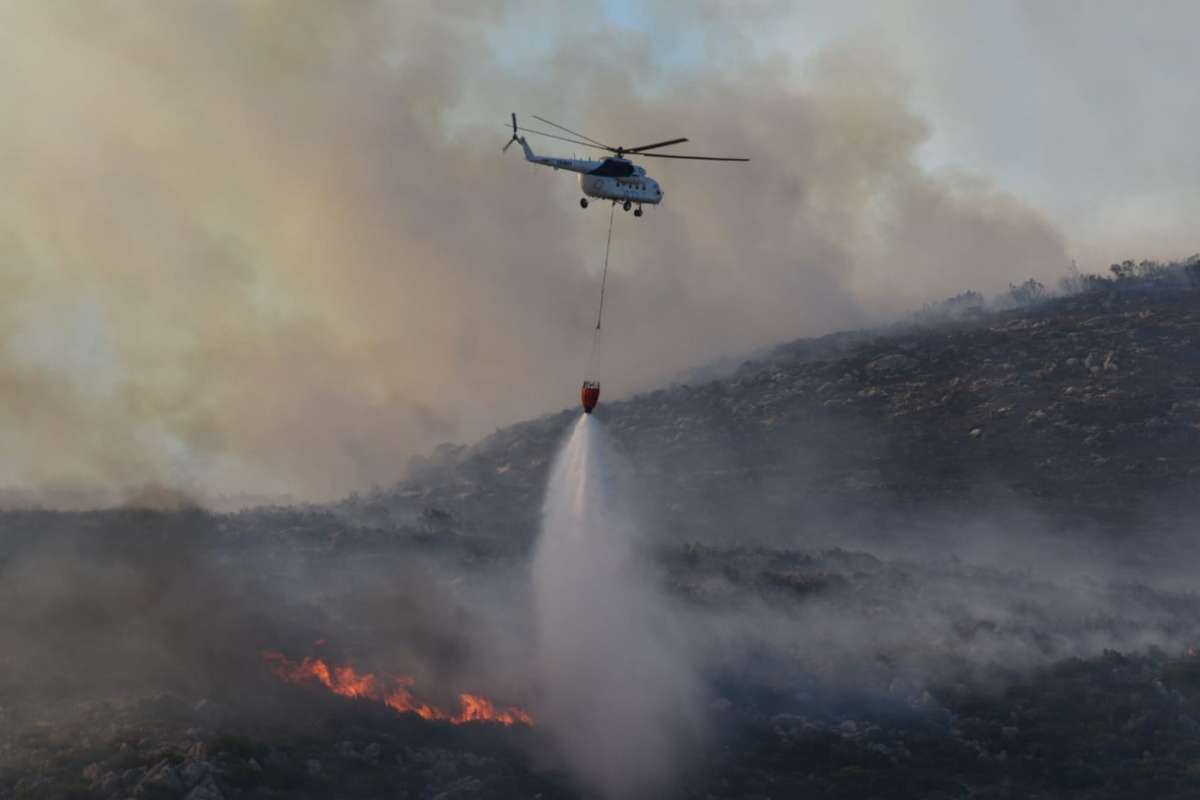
(603, 283)
(604, 276)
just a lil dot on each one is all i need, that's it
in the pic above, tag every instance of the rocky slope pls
(1083, 411)
(938, 560)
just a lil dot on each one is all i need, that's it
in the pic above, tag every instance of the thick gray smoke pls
(277, 250)
(619, 692)
(131, 602)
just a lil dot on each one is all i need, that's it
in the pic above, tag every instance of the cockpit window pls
(614, 168)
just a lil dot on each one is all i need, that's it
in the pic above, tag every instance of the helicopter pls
(613, 178)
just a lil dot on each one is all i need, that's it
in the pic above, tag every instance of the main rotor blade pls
(574, 133)
(692, 158)
(652, 146)
(561, 138)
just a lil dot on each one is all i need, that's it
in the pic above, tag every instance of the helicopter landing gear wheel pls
(583, 202)
(627, 205)
(637, 212)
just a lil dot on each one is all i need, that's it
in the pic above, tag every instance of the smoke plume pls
(275, 249)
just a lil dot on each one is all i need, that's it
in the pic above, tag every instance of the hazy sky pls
(1082, 107)
(273, 246)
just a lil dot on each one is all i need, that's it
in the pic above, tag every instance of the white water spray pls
(618, 692)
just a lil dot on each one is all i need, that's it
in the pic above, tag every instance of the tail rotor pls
(514, 138)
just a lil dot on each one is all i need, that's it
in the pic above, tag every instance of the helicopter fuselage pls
(616, 179)
(638, 189)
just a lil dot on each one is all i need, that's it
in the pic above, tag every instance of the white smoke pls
(618, 692)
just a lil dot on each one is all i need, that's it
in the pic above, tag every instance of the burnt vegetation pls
(947, 558)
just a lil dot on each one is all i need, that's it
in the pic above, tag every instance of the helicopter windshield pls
(614, 168)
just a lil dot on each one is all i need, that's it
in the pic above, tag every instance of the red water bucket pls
(589, 395)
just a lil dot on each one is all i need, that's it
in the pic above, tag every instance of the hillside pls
(1083, 412)
(947, 560)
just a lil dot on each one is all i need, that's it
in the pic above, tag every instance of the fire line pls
(393, 691)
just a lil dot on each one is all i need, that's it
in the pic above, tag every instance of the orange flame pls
(392, 691)
(476, 708)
